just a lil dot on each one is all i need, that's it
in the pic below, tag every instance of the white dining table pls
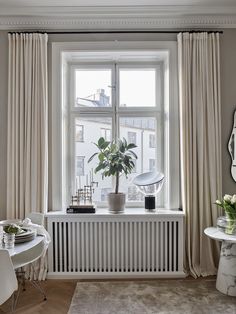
(25, 246)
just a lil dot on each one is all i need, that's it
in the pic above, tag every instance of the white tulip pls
(218, 202)
(227, 198)
(233, 199)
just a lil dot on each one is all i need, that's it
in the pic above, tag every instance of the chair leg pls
(37, 285)
(23, 278)
(14, 299)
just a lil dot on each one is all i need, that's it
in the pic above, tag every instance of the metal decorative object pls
(149, 183)
(84, 196)
(82, 202)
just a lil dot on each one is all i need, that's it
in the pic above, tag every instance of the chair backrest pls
(36, 218)
(7, 276)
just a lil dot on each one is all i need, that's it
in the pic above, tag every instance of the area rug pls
(149, 297)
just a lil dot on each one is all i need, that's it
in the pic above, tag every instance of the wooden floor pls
(59, 295)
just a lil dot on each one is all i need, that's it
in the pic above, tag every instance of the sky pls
(137, 86)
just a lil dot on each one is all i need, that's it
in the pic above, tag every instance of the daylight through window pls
(116, 100)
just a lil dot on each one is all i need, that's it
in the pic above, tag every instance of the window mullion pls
(116, 103)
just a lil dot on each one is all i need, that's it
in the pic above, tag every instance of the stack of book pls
(81, 209)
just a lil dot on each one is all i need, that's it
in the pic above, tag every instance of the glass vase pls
(9, 240)
(227, 224)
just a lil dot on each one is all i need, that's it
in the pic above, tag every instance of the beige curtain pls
(200, 112)
(27, 149)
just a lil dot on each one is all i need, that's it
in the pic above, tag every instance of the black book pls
(80, 210)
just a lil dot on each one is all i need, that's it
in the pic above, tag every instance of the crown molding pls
(142, 17)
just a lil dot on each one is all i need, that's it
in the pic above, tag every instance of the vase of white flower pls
(228, 223)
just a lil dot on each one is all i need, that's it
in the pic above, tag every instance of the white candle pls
(86, 179)
(92, 174)
(79, 182)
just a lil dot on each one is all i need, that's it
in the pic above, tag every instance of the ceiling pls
(134, 3)
(116, 14)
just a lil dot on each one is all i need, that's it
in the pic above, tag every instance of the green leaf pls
(131, 145)
(100, 167)
(133, 153)
(101, 156)
(101, 141)
(104, 145)
(92, 157)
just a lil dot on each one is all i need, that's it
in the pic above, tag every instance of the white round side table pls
(226, 276)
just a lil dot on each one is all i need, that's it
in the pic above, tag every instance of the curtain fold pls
(27, 149)
(27, 143)
(200, 137)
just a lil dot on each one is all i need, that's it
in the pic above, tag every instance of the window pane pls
(106, 133)
(142, 128)
(79, 133)
(137, 87)
(79, 167)
(93, 88)
(92, 132)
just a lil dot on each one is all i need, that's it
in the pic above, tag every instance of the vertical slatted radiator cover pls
(107, 245)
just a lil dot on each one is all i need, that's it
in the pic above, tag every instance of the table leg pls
(226, 277)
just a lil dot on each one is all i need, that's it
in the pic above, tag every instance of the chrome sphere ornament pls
(150, 184)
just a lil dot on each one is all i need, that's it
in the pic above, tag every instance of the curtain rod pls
(120, 32)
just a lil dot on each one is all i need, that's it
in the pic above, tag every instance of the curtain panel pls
(27, 144)
(201, 167)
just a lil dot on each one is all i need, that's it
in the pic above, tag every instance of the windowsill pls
(129, 212)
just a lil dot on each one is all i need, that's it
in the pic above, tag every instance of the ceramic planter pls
(116, 203)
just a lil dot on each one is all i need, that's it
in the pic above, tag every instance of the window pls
(134, 194)
(79, 165)
(106, 133)
(152, 141)
(97, 107)
(79, 133)
(104, 193)
(152, 163)
(134, 170)
(129, 92)
(131, 137)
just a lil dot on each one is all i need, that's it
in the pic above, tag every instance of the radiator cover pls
(107, 245)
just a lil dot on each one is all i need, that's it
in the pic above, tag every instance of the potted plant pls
(114, 159)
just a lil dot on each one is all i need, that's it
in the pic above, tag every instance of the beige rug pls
(149, 297)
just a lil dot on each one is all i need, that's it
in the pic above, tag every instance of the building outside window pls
(106, 134)
(152, 141)
(79, 165)
(134, 170)
(79, 133)
(104, 193)
(134, 194)
(132, 138)
(152, 164)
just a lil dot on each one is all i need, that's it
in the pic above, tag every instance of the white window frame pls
(59, 149)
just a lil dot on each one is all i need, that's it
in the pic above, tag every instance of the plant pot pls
(116, 202)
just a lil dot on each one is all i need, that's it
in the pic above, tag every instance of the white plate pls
(22, 240)
(26, 233)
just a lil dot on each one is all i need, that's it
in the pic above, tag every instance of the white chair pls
(9, 282)
(36, 218)
(28, 257)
